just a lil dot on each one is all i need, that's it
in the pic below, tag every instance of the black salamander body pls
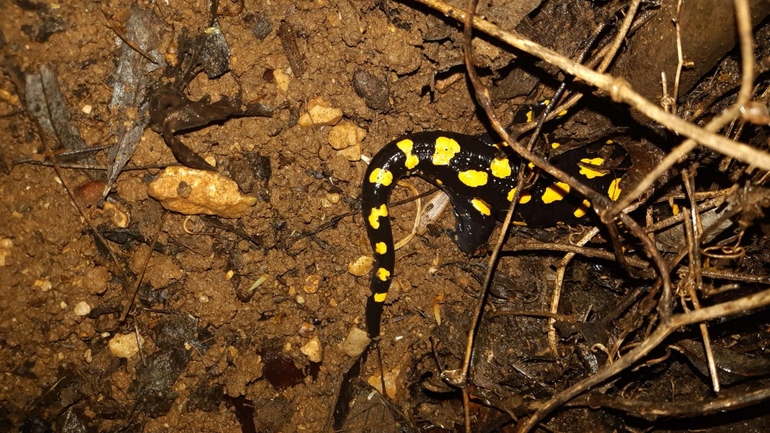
(480, 179)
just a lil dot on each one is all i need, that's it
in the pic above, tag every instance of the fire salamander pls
(480, 179)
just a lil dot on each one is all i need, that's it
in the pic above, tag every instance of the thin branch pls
(742, 305)
(652, 410)
(620, 90)
(130, 303)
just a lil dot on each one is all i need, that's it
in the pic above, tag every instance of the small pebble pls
(313, 350)
(125, 345)
(311, 283)
(262, 27)
(43, 285)
(5, 249)
(355, 343)
(282, 79)
(346, 134)
(319, 113)
(95, 280)
(82, 308)
(306, 329)
(119, 218)
(352, 153)
(362, 266)
(373, 90)
(333, 198)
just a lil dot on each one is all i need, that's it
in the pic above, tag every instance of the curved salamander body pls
(480, 179)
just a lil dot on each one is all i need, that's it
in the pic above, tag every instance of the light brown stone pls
(346, 134)
(319, 113)
(190, 191)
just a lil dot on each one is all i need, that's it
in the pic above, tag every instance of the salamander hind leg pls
(474, 223)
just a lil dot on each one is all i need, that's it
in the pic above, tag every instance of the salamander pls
(480, 178)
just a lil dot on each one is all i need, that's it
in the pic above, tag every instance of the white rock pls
(355, 343)
(313, 350)
(125, 345)
(82, 308)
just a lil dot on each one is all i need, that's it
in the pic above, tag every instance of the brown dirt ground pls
(54, 264)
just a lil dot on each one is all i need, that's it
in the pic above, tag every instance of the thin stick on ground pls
(742, 305)
(130, 303)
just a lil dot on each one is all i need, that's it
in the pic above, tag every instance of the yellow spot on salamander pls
(590, 173)
(381, 176)
(383, 274)
(374, 216)
(473, 178)
(531, 165)
(530, 115)
(519, 223)
(446, 149)
(609, 142)
(555, 145)
(580, 212)
(380, 297)
(562, 113)
(380, 248)
(614, 190)
(481, 206)
(555, 192)
(500, 168)
(524, 198)
(406, 146)
(439, 182)
(674, 207)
